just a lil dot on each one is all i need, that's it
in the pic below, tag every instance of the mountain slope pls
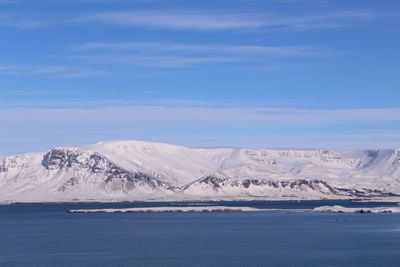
(134, 170)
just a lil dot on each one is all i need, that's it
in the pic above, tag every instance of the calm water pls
(45, 235)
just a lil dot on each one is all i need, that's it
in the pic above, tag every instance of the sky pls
(200, 73)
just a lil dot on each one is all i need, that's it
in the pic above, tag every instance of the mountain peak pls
(131, 169)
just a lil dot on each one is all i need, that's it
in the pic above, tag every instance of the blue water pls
(45, 235)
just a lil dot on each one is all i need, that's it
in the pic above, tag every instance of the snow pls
(168, 209)
(109, 171)
(332, 209)
(360, 210)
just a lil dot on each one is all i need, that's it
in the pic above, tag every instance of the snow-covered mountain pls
(134, 170)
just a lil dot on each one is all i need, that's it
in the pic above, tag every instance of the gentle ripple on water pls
(45, 235)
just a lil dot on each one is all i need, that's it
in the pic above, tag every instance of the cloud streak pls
(153, 54)
(256, 50)
(196, 20)
(161, 61)
(54, 70)
(88, 56)
(208, 20)
(173, 20)
(196, 123)
(201, 115)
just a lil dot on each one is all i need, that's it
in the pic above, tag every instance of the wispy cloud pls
(89, 56)
(173, 20)
(48, 99)
(153, 54)
(328, 21)
(83, 73)
(280, 51)
(197, 20)
(201, 115)
(162, 61)
(209, 20)
(185, 122)
(54, 70)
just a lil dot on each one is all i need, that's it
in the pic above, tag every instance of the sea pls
(46, 235)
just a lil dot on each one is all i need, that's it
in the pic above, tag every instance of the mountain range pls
(136, 170)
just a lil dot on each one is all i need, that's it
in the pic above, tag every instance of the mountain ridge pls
(138, 170)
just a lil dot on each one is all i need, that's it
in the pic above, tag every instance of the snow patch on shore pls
(168, 209)
(337, 208)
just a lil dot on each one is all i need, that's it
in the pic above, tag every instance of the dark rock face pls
(365, 192)
(301, 184)
(215, 182)
(62, 158)
(115, 177)
(70, 183)
(295, 185)
(55, 159)
(130, 180)
(58, 159)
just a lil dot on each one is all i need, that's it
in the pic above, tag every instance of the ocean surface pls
(46, 235)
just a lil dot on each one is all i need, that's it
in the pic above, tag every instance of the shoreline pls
(321, 209)
(358, 200)
(340, 209)
(167, 209)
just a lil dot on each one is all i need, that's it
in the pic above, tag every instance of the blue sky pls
(255, 73)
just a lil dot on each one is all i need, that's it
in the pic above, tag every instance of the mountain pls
(134, 170)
